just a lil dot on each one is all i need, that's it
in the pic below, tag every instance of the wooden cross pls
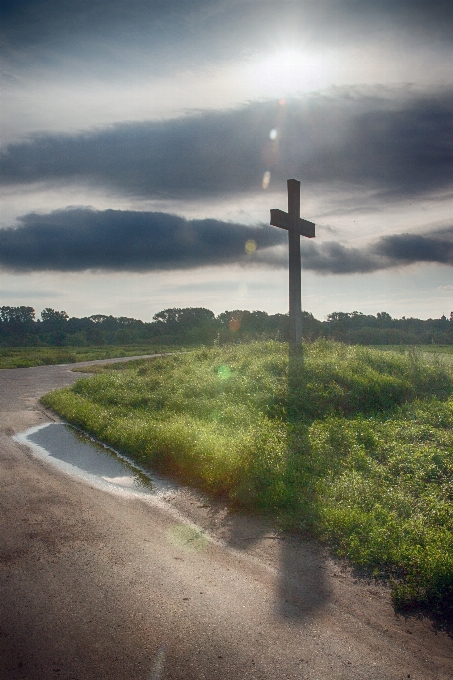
(296, 227)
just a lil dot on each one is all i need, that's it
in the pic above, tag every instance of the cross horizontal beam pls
(281, 219)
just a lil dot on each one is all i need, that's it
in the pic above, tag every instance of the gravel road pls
(96, 585)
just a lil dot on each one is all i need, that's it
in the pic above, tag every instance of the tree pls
(17, 314)
(50, 315)
(190, 324)
(17, 326)
(384, 319)
(53, 326)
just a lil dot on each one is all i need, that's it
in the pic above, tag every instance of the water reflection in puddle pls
(75, 453)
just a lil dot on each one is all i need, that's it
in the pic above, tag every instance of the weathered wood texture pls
(296, 227)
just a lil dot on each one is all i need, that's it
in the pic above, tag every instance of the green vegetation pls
(424, 349)
(24, 357)
(197, 325)
(444, 352)
(356, 448)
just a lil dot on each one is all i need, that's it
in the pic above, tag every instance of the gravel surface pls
(98, 585)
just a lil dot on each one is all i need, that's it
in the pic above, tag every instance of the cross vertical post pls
(295, 285)
(296, 227)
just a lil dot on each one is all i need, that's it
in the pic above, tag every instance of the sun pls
(282, 68)
(288, 71)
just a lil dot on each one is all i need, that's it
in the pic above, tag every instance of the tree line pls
(197, 325)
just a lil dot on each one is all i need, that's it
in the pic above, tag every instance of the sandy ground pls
(96, 585)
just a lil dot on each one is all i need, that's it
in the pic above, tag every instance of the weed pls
(355, 449)
(25, 357)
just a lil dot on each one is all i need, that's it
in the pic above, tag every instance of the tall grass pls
(25, 357)
(356, 449)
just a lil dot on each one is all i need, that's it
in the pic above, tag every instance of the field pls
(24, 357)
(354, 447)
(441, 351)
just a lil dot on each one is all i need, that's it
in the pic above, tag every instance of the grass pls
(25, 357)
(432, 349)
(444, 352)
(355, 449)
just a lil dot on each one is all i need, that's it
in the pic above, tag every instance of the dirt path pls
(94, 585)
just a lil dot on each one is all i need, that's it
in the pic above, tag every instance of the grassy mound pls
(25, 357)
(356, 447)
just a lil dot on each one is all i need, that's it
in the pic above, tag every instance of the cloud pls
(198, 28)
(79, 239)
(397, 145)
(102, 33)
(409, 248)
(387, 252)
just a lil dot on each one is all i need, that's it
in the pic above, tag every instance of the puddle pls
(75, 453)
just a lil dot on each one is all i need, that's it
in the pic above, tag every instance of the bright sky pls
(144, 142)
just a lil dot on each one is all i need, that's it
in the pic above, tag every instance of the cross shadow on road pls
(300, 583)
(300, 563)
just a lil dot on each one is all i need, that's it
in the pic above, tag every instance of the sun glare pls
(283, 68)
(286, 71)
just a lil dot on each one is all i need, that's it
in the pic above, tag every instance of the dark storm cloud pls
(78, 239)
(394, 144)
(389, 251)
(103, 33)
(218, 28)
(409, 248)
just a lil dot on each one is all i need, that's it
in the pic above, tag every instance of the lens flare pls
(223, 372)
(234, 325)
(266, 179)
(187, 537)
(250, 246)
(273, 134)
(157, 672)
